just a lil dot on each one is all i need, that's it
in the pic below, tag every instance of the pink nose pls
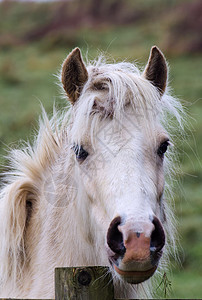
(135, 241)
(137, 247)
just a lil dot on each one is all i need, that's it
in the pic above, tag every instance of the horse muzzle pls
(135, 248)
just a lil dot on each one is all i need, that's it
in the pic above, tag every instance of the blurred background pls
(35, 37)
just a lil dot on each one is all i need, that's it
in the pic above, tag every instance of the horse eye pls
(100, 86)
(163, 148)
(81, 154)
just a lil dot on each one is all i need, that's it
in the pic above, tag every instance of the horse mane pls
(28, 166)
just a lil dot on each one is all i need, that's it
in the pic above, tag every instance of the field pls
(29, 59)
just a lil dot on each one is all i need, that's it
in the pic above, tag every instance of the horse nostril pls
(157, 236)
(115, 238)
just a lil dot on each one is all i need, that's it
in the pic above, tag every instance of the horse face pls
(120, 159)
(124, 178)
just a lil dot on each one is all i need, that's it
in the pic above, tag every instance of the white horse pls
(90, 191)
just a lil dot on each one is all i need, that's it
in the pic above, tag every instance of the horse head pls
(119, 146)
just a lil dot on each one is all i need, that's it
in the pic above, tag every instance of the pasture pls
(27, 79)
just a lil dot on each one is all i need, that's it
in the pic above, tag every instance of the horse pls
(92, 188)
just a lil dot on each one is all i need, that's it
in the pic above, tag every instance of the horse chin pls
(135, 277)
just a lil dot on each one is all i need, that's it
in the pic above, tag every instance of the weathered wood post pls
(83, 283)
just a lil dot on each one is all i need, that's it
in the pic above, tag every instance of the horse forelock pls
(110, 89)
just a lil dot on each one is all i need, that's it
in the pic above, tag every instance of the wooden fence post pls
(83, 283)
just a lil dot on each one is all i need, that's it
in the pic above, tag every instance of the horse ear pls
(156, 70)
(74, 75)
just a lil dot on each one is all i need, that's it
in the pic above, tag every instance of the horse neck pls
(66, 221)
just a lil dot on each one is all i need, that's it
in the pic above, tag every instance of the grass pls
(27, 80)
(186, 285)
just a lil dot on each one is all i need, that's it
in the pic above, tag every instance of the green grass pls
(27, 80)
(186, 285)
